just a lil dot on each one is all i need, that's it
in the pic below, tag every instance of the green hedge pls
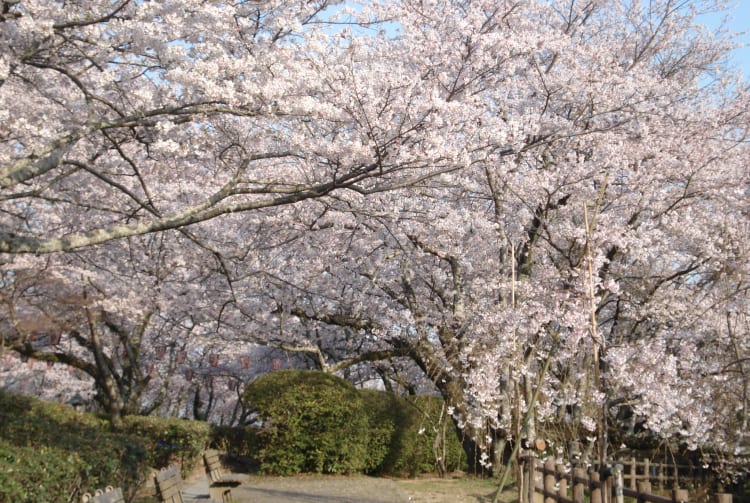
(51, 453)
(384, 416)
(312, 422)
(235, 440)
(38, 474)
(169, 440)
(404, 431)
(315, 422)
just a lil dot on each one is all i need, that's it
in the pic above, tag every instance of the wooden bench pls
(219, 488)
(168, 484)
(107, 495)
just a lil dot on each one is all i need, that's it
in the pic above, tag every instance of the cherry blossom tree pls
(145, 319)
(540, 205)
(150, 116)
(109, 315)
(605, 176)
(154, 116)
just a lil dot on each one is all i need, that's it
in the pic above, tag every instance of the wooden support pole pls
(633, 473)
(562, 482)
(644, 489)
(531, 476)
(579, 489)
(596, 487)
(679, 495)
(661, 471)
(618, 483)
(538, 483)
(549, 480)
(723, 498)
(607, 485)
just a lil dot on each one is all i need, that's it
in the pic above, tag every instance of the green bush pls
(235, 440)
(38, 474)
(169, 440)
(413, 424)
(384, 414)
(312, 422)
(432, 421)
(50, 452)
(315, 422)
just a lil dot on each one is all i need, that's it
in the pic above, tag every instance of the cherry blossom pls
(537, 209)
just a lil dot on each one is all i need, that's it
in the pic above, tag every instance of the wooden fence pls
(661, 475)
(553, 483)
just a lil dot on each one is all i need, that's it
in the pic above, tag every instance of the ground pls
(455, 489)
(458, 488)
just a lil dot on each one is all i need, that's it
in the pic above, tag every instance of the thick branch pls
(335, 319)
(459, 305)
(208, 209)
(64, 358)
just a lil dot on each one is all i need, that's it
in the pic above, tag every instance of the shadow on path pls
(304, 489)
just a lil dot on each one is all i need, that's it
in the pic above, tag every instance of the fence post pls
(633, 473)
(679, 495)
(562, 488)
(549, 480)
(537, 483)
(607, 484)
(723, 498)
(662, 472)
(530, 475)
(596, 487)
(579, 474)
(523, 484)
(617, 477)
(644, 488)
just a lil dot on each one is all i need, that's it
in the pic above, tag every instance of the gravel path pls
(303, 489)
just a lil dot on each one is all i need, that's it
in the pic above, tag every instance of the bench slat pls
(169, 485)
(212, 461)
(218, 487)
(109, 495)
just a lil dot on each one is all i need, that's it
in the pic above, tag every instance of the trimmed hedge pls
(38, 474)
(385, 417)
(404, 431)
(169, 440)
(312, 422)
(235, 440)
(51, 453)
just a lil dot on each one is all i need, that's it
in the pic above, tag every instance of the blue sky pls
(739, 22)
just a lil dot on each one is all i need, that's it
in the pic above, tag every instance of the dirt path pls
(454, 490)
(351, 489)
(306, 489)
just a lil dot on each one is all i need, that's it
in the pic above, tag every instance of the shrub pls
(170, 440)
(414, 423)
(431, 428)
(235, 440)
(316, 422)
(384, 411)
(50, 452)
(37, 474)
(310, 422)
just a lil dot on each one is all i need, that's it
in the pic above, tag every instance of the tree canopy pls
(538, 207)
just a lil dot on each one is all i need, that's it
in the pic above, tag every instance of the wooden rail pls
(553, 483)
(664, 475)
